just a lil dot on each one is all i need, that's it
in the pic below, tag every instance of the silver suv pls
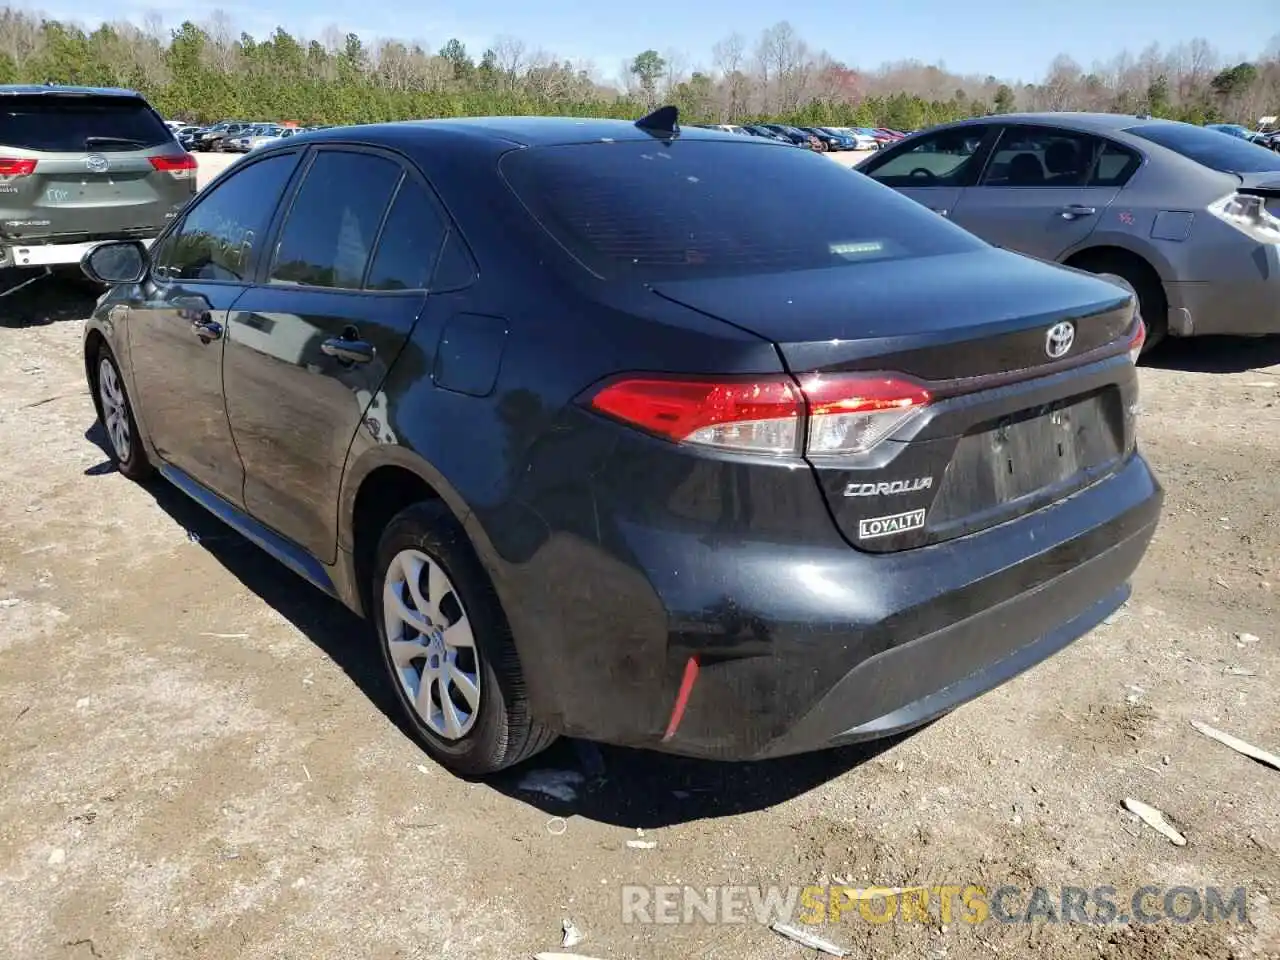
(79, 165)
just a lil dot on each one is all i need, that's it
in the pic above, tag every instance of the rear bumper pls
(52, 254)
(804, 647)
(1248, 304)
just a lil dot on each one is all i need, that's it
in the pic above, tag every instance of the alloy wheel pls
(115, 409)
(429, 638)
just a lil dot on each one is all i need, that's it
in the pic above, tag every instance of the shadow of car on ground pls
(62, 295)
(1215, 354)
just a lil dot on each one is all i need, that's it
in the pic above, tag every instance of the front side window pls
(942, 159)
(216, 239)
(333, 223)
(1039, 157)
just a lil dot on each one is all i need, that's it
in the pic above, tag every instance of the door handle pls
(348, 351)
(206, 328)
(941, 211)
(1074, 210)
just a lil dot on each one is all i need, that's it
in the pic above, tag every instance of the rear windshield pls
(653, 210)
(61, 124)
(1212, 148)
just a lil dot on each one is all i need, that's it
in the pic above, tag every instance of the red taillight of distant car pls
(822, 416)
(16, 168)
(181, 168)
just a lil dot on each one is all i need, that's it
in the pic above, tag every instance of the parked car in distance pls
(1230, 129)
(798, 137)
(1183, 215)
(759, 130)
(283, 133)
(827, 142)
(786, 503)
(861, 141)
(187, 136)
(252, 137)
(80, 165)
(213, 139)
(840, 139)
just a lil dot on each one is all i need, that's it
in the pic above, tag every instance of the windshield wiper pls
(99, 141)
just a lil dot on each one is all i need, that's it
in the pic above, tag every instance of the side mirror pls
(115, 262)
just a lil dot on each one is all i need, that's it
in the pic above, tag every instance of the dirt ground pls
(197, 759)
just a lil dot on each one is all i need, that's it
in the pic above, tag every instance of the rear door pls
(933, 169)
(310, 346)
(76, 167)
(1037, 195)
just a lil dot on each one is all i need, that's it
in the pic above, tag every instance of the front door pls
(1037, 195)
(310, 347)
(178, 322)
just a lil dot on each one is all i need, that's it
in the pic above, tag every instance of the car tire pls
(1151, 300)
(467, 651)
(115, 414)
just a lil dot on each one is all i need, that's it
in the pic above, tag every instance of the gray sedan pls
(1186, 217)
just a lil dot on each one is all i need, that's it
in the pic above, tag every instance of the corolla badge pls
(1058, 341)
(97, 163)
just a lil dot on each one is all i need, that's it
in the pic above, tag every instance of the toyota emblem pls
(1057, 343)
(97, 163)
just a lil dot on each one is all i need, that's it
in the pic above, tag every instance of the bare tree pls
(153, 25)
(222, 36)
(729, 56)
(510, 54)
(1062, 85)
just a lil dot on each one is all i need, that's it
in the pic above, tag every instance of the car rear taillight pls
(851, 414)
(1248, 213)
(751, 416)
(16, 168)
(823, 416)
(181, 168)
(1136, 341)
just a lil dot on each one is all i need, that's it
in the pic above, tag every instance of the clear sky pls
(1011, 39)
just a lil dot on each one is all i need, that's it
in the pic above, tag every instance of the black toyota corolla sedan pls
(602, 452)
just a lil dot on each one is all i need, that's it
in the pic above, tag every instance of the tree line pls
(209, 71)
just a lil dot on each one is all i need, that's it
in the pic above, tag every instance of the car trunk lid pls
(939, 318)
(1009, 426)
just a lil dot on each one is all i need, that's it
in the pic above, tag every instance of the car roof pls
(510, 131)
(54, 89)
(1091, 122)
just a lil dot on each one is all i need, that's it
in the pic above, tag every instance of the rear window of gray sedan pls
(1211, 148)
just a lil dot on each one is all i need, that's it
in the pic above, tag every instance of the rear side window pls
(1039, 157)
(695, 208)
(1116, 164)
(410, 242)
(57, 123)
(1211, 148)
(333, 221)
